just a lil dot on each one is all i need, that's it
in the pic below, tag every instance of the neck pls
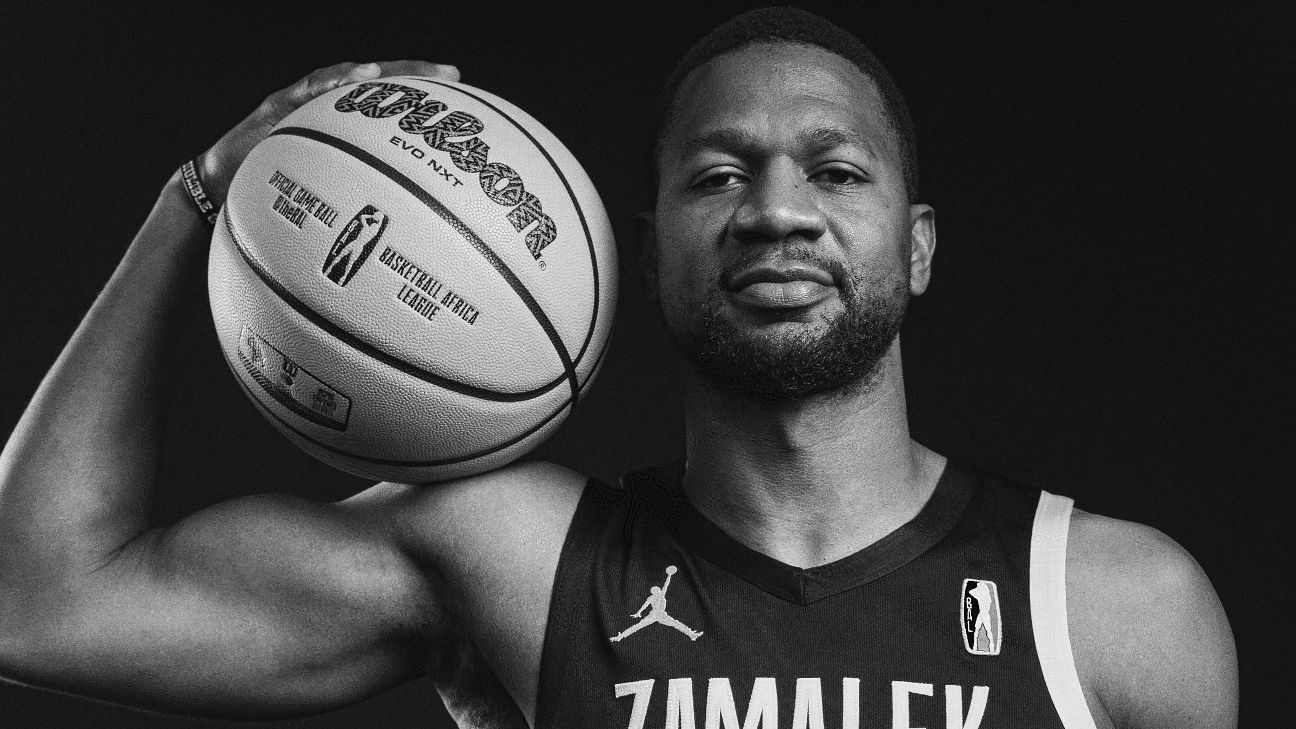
(811, 481)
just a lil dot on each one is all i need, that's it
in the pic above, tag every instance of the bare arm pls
(1152, 642)
(262, 605)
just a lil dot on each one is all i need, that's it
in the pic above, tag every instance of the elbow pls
(31, 619)
(35, 641)
(19, 642)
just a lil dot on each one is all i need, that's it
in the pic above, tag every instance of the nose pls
(779, 204)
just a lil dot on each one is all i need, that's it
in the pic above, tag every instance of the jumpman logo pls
(656, 607)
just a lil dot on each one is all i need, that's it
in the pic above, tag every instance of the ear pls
(922, 246)
(646, 230)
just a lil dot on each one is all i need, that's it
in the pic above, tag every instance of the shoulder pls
(1150, 636)
(526, 504)
(489, 545)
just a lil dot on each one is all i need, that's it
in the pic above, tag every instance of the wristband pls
(207, 209)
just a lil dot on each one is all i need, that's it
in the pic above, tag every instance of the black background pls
(1110, 316)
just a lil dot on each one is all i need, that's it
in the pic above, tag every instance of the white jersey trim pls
(1049, 610)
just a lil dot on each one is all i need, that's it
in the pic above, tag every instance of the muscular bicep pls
(261, 606)
(497, 540)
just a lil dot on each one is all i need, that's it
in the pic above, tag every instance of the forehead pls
(771, 90)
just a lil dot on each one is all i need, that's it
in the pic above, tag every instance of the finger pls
(326, 79)
(279, 104)
(442, 71)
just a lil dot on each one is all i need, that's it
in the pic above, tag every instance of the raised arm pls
(265, 605)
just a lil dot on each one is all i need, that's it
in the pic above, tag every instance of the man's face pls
(786, 245)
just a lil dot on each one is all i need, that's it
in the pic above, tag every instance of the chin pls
(769, 357)
(778, 330)
(799, 318)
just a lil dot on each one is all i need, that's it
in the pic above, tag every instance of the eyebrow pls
(816, 140)
(728, 140)
(823, 139)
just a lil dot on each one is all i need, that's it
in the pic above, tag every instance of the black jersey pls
(957, 619)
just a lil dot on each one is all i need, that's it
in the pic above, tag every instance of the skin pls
(272, 606)
(742, 178)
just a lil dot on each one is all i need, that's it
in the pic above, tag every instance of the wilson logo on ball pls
(456, 133)
(354, 244)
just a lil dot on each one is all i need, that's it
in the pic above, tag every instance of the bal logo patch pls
(980, 617)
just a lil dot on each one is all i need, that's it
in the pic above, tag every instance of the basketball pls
(412, 279)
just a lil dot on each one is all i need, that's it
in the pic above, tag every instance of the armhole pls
(1049, 610)
(571, 593)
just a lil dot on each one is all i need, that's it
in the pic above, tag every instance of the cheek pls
(681, 276)
(687, 252)
(875, 238)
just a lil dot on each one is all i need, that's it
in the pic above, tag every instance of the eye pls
(839, 176)
(718, 178)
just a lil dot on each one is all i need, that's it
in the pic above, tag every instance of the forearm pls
(76, 474)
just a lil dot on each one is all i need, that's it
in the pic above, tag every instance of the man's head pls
(784, 246)
(797, 27)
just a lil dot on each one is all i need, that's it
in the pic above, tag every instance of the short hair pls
(797, 27)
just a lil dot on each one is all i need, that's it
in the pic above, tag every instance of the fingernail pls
(365, 70)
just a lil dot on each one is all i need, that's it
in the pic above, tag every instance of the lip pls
(778, 275)
(771, 287)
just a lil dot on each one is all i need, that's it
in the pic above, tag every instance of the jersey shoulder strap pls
(601, 508)
(1049, 610)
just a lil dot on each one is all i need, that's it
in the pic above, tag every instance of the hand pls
(219, 163)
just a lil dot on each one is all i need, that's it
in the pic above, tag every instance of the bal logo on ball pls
(413, 279)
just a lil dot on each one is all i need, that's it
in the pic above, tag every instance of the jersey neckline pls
(809, 584)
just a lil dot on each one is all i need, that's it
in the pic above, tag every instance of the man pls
(826, 567)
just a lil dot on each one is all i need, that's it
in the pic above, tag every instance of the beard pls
(778, 368)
